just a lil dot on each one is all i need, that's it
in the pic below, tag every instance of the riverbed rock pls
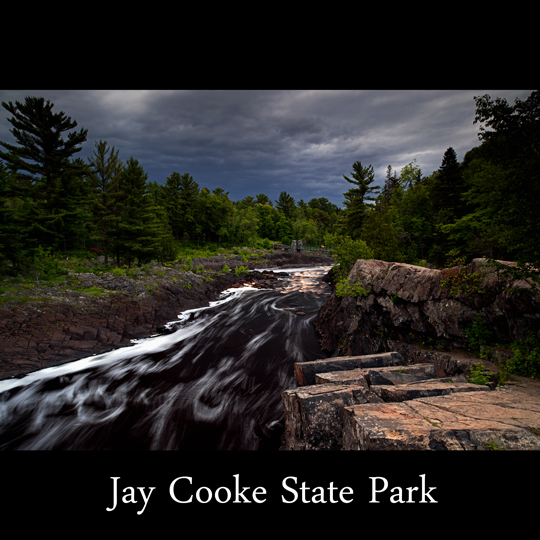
(90, 314)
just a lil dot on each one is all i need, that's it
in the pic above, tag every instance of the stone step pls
(348, 376)
(314, 414)
(424, 389)
(483, 420)
(400, 374)
(304, 372)
(385, 375)
(344, 406)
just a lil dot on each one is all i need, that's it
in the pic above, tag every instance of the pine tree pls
(104, 176)
(41, 166)
(355, 199)
(448, 188)
(189, 193)
(286, 205)
(138, 224)
(172, 203)
(390, 184)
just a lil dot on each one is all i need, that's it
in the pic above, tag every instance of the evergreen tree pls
(105, 169)
(70, 207)
(172, 203)
(355, 199)
(13, 219)
(390, 184)
(189, 193)
(222, 214)
(448, 189)
(139, 227)
(41, 167)
(286, 205)
(261, 198)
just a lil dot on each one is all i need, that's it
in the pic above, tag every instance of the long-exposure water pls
(213, 383)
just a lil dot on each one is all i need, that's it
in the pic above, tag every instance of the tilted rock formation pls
(412, 304)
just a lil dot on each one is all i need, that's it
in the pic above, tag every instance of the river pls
(213, 382)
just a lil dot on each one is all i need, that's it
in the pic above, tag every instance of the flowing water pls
(213, 383)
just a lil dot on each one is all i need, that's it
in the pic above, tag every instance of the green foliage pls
(410, 175)
(241, 271)
(47, 267)
(188, 265)
(346, 288)
(346, 252)
(94, 291)
(493, 444)
(478, 374)
(264, 243)
(478, 334)
(355, 198)
(459, 282)
(105, 169)
(45, 182)
(380, 233)
(526, 359)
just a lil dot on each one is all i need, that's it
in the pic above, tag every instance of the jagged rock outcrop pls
(412, 304)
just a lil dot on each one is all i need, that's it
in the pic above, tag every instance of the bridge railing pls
(300, 247)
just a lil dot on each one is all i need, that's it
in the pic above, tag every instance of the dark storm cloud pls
(257, 141)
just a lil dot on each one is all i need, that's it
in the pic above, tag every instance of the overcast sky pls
(268, 141)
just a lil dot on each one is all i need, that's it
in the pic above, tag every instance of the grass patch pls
(95, 291)
(22, 299)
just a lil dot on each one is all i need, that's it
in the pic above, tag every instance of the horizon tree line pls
(484, 206)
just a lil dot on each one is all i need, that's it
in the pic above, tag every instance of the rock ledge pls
(387, 402)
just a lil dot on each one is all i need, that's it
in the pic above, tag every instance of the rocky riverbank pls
(399, 376)
(437, 309)
(47, 324)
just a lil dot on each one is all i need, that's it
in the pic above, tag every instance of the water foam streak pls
(213, 382)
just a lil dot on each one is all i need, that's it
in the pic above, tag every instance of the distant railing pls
(299, 246)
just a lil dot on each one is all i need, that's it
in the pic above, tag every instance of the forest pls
(53, 202)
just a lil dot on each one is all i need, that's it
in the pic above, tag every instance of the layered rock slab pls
(304, 372)
(482, 420)
(405, 406)
(420, 389)
(314, 414)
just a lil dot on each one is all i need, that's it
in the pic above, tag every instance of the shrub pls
(346, 288)
(478, 374)
(346, 252)
(461, 283)
(241, 271)
(477, 334)
(526, 359)
(47, 267)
